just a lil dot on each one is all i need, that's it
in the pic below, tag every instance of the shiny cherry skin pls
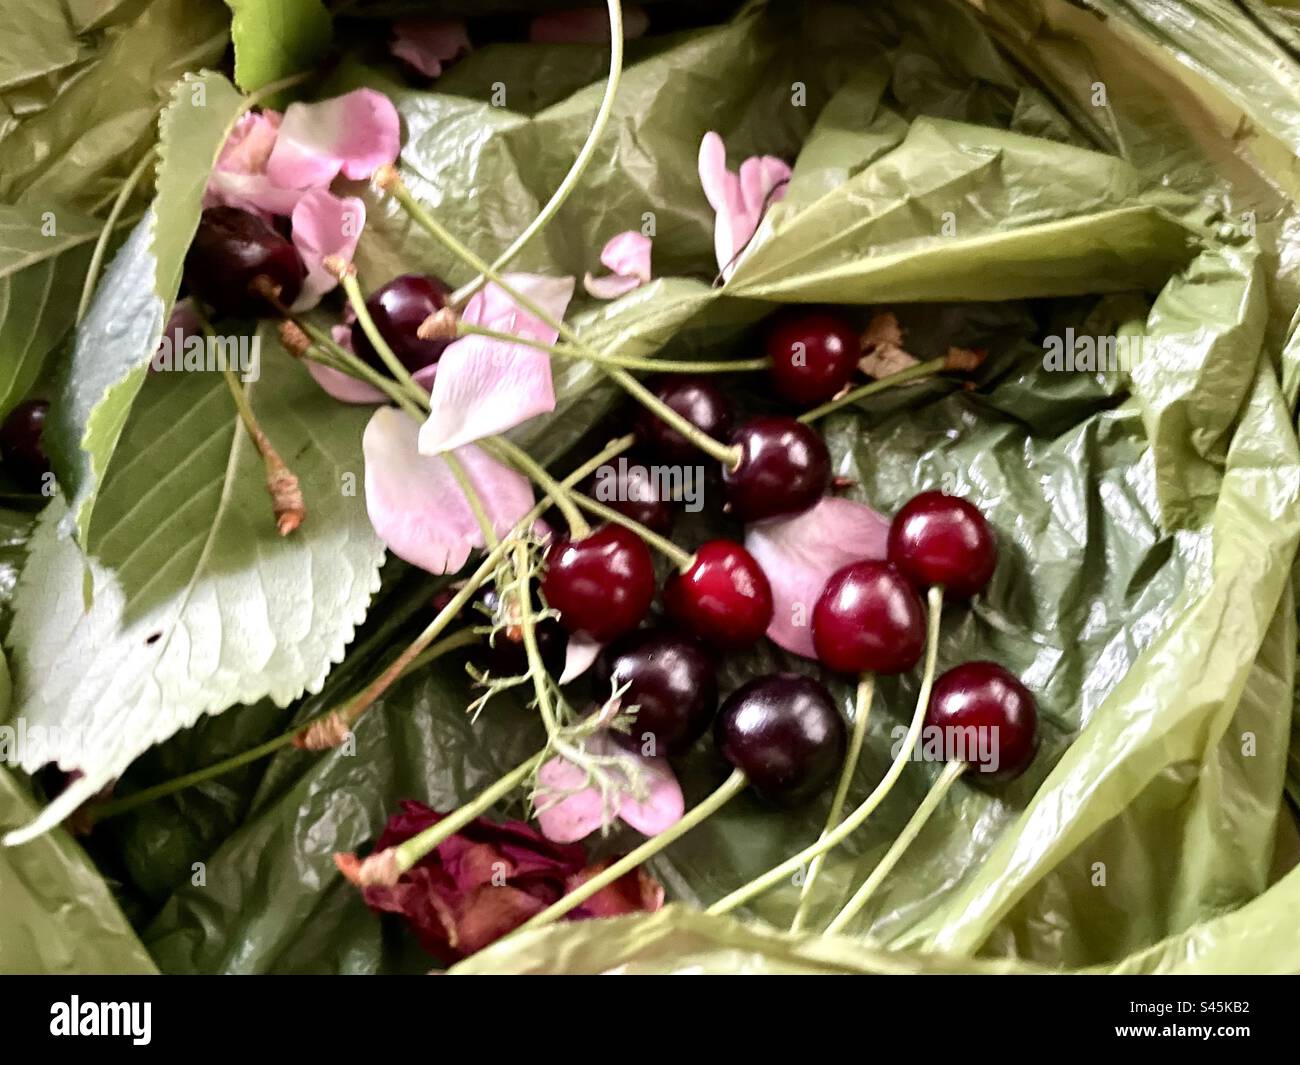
(814, 353)
(629, 489)
(672, 681)
(700, 401)
(785, 733)
(21, 451)
(602, 584)
(784, 469)
(868, 619)
(724, 598)
(943, 539)
(232, 249)
(985, 706)
(504, 654)
(397, 309)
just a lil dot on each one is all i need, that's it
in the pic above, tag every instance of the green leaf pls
(198, 603)
(275, 40)
(124, 322)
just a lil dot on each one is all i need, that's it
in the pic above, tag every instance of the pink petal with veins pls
(428, 43)
(351, 134)
(799, 555)
(628, 256)
(324, 224)
(739, 200)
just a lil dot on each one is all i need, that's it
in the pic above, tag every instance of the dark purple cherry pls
(784, 733)
(397, 310)
(943, 539)
(503, 654)
(629, 489)
(724, 598)
(814, 353)
(603, 584)
(21, 450)
(697, 399)
(784, 469)
(234, 252)
(868, 619)
(672, 681)
(988, 718)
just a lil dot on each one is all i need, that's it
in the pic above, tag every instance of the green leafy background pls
(1148, 523)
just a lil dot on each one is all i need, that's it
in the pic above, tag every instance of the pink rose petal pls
(324, 224)
(579, 654)
(573, 817)
(799, 555)
(428, 43)
(352, 134)
(239, 178)
(415, 504)
(739, 200)
(587, 25)
(343, 387)
(487, 386)
(663, 806)
(628, 256)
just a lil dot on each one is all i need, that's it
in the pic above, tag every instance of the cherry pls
(988, 717)
(813, 352)
(231, 251)
(784, 733)
(697, 399)
(724, 598)
(21, 449)
(672, 682)
(943, 539)
(784, 469)
(602, 584)
(397, 310)
(503, 653)
(868, 619)
(626, 489)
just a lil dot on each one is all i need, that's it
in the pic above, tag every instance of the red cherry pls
(942, 539)
(724, 598)
(868, 619)
(21, 450)
(988, 717)
(603, 584)
(232, 249)
(697, 399)
(784, 468)
(814, 353)
(397, 310)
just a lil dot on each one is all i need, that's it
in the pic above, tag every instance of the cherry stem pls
(110, 224)
(528, 626)
(394, 364)
(850, 824)
(729, 789)
(866, 688)
(627, 362)
(580, 163)
(683, 560)
(911, 830)
(535, 471)
(472, 497)
(729, 456)
(253, 754)
(912, 373)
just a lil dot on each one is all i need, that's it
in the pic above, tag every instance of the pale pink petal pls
(574, 817)
(738, 200)
(239, 177)
(344, 387)
(415, 504)
(342, 334)
(485, 386)
(663, 806)
(580, 652)
(428, 43)
(628, 256)
(353, 134)
(799, 555)
(324, 224)
(587, 25)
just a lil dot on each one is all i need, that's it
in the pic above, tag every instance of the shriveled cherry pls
(602, 584)
(785, 733)
(21, 449)
(397, 309)
(233, 253)
(989, 719)
(945, 540)
(724, 598)
(672, 681)
(868, 618)
(697, 399)
(814, 353)
(784, 468)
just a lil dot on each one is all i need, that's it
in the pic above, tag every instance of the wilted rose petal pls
(633, 892)
(628, 256)
(239, 178)
(415, 504)
(739, 200)
(352, 134)
(429, 43)
(324, 224)
(586, 25)
(486, 386)
(799, 554)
